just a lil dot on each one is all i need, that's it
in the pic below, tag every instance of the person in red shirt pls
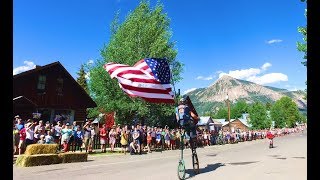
(270, 136)
(103, 138)
(22, 140)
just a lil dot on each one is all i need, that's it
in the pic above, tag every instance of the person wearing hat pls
(87, 135)
(20, 123)
(41, 140)
(29, 132)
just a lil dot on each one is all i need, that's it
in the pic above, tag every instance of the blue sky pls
(248, 39)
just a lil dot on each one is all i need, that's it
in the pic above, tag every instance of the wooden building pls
(207, 123)
(51, 91)
(235, 124)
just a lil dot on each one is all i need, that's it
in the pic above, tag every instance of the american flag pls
(149, 79)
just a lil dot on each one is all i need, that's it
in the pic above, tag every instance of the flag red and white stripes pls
(148, 79)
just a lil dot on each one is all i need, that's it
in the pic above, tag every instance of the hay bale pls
(70, 157)
(41, 149)
(37, 160)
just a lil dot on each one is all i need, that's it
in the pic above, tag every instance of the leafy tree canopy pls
(144, 33)
(258, 116)
(285, 112)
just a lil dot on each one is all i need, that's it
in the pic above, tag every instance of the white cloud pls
(28, 66)
(274, 41)
(87, 76)
(218, 72)
(265, 66)
(242, 74)
(204, 78)
(189, 90)
(199, 77)
(254, 75)
(268, 78)
(90, 62)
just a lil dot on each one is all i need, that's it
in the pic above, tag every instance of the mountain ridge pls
(207, 99)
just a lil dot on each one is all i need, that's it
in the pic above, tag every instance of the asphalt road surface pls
(243, 161)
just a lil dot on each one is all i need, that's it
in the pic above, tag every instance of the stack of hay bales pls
(45, 154)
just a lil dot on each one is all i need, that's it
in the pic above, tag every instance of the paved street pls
(247, 161)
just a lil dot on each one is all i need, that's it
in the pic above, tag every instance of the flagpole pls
(174, 88)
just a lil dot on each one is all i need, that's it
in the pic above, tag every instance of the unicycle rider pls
(186, 118)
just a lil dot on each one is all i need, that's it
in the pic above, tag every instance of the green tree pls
(268, 106)
(285, 112)
(144, 33)
(258, 116)
(82, 78)
(222, 114)
(238, 109)
(302, 46)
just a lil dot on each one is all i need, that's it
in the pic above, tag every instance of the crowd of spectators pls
(134, 139)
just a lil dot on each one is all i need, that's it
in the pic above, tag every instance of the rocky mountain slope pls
(208, 99)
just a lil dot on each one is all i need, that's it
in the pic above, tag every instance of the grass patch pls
(41, 149)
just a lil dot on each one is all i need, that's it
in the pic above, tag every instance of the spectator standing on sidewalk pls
(87, 136)
(124, 140)
(78, 137)
(57, 132)
(149, 140)
(15, 139)
(22, 140)
(103, 138)
(112, 138)
(20, 123)
(39, 130)
(29, 132)
(153, 136)
(66, 135)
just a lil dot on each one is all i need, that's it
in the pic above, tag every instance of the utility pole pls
(228, 104)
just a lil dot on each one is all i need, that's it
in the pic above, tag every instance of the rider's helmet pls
(182, 100)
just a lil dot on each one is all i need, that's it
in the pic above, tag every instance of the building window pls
(59, 86)
(41, 82)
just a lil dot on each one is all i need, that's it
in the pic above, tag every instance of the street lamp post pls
(228, 104)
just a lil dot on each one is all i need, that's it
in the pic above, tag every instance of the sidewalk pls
(95, 151)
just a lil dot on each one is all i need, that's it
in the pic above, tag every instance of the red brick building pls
(51, 91)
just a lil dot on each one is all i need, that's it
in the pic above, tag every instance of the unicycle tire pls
(181, 170)
(195, 163)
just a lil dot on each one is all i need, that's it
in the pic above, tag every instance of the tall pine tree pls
(82, 78)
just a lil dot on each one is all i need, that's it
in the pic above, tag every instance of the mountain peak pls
(226, 77)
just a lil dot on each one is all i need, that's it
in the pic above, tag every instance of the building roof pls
(204, 120)
(218, 121)
(243, 121)
(56, 64)
(23, 101)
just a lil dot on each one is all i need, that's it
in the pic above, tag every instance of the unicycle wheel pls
(195, 163)
(181, 170)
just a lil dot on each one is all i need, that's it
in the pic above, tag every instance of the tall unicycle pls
(181, 170)
(195, 161)
(181, 165)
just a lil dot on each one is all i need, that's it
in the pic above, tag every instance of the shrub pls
(69, 157)
(41, 149)
(37, 160)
